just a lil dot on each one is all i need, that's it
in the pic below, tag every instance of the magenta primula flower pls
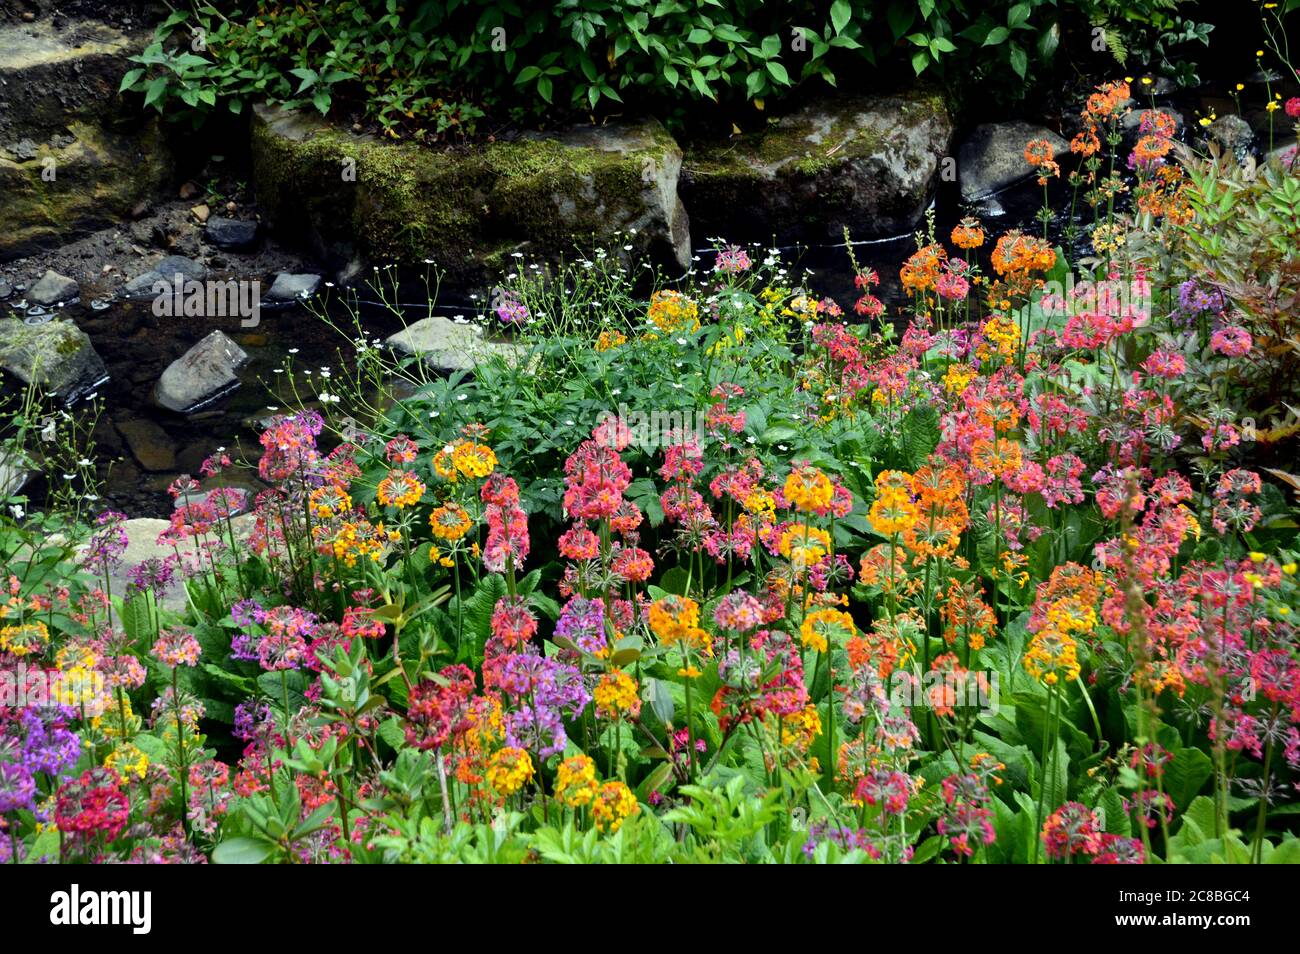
(732, 260)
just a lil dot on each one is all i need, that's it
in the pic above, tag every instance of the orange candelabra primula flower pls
(966, 616)
(921, 270)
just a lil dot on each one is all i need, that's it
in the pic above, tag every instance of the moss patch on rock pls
(866, 162)
(90, 183)
(466, 210)
(56, 356)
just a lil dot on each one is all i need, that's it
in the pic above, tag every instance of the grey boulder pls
(445, 345)
(53, 288)
(992, 157)
(290, 287)
(870, 163)
(232, 234)
(202, 375)
(56, 356)
(144, 285)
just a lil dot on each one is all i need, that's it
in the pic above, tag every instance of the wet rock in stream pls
(53, 288)
(201, 375)
(1232, 134)
(142, 286)
(287, 287)
(57, 356)
(992, 157)
(148, 443)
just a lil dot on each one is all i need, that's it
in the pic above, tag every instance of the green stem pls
(1048, 751)
(180, 753)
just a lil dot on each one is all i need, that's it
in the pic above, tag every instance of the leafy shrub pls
(1146, 32)
(1245, 242)
(433, 67)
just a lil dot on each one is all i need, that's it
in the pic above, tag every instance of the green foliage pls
(430, 69)
(1145, 34)
(724, 819)
(1245, 241)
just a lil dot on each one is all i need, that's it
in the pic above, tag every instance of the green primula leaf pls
(242, 851)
